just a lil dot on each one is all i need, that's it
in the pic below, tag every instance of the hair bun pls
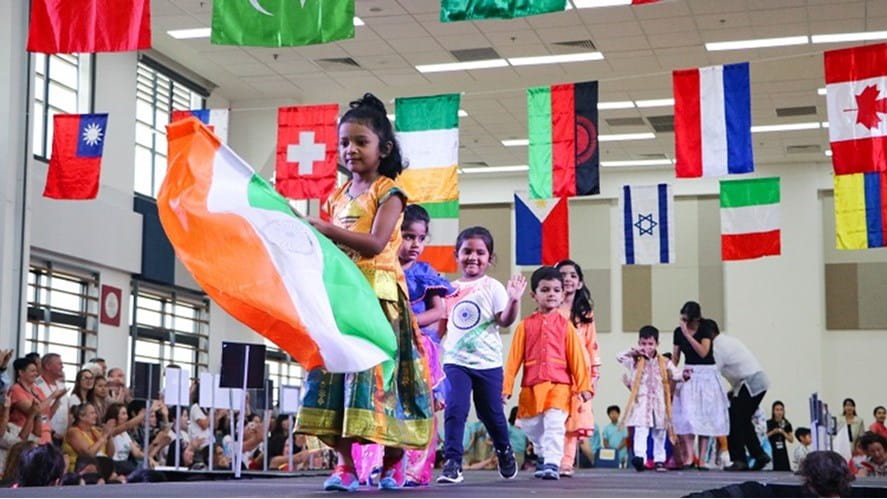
(368, 100)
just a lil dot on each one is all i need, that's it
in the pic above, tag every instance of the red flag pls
(856, 83)
(306, 151)
(77, 144)
(87, 26)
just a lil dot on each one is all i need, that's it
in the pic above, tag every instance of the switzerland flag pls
(88, 26)
(306, 151)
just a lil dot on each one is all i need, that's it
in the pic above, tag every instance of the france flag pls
(216, 119)
(712, 121)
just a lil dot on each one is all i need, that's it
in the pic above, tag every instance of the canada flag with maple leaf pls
(856, 84)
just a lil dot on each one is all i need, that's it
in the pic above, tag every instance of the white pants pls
(546, 431)
(640, 443)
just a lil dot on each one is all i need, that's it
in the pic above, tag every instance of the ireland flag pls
(750, 218)
(263, 265)
(281, 23)
(427, 129)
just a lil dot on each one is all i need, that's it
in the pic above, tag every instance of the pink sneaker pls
(343, 479)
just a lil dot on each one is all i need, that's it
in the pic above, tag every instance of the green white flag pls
(470, 10)
(281, 23)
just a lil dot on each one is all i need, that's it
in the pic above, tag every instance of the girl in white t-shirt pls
(473, 351)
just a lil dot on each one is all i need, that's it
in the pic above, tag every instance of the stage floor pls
(586, 483)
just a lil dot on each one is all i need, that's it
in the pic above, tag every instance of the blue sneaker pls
(540, 468)
(343, 479)
(551, 472)
(391, 478)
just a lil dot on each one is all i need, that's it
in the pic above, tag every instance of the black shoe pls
(737, 466)
(760, 462)
(507, 464)
(638, 463)
(660, 467)
(451, 473)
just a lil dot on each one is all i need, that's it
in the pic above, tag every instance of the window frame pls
(40, 95)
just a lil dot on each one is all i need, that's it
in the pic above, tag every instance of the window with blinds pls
(62, 313)
(62, 84)
(282, 370)
(169, 326)
(158, 92)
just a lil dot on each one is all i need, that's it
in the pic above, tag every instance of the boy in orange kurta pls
(549, 348)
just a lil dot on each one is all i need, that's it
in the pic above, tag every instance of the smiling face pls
(648, 346)
(473, 257)
(359, 148)
(29, 374)
(101, 388)
(549, 294)
(413, 242)
(88, 415)
(572, 282)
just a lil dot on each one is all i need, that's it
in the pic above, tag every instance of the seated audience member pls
(84, 438)
(25, 394)
(117, 389)
(11, 434)
(40, 466)
(826, 474)
(97, 365)
(51, 380)
(13, 459)
(126, 451)
(83, 383)
(878, 426)
(612, 437)
(802, 448)
(279, 436)
(98, 396)
(146, 476)
(875, 462)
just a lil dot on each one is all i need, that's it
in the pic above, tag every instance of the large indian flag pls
(266, 267)
(427, 129)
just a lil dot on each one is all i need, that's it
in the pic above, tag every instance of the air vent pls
(579, 44)
(654, 155)
(803, 149)
(662, 123)
(479, 54)
(624, 122)
(338, 64)
(784, 112)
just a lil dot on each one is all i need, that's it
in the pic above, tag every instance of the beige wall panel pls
(671, 288)
(636, 297)
(841, 289)
(590, 232)
(598, 282)
(872, 279)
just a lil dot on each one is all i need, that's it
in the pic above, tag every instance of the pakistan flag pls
(281, 23)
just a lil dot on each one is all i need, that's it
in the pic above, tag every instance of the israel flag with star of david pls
(647, 225)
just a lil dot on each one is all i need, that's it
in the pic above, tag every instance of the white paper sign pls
(177, 388)
(209, 383)
(290, 399)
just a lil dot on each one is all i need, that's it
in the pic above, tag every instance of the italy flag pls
(427, 130)
(261, 263)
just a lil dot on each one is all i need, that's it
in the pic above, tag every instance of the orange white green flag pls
(264, 265)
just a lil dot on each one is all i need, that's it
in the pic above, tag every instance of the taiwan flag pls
(306, 151)
(856, 86)
(564, 158)
(215, 119)
(542, 230)
(75, 164)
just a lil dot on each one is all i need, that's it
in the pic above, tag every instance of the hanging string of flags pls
(712, 129)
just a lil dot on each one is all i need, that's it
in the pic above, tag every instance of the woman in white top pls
(126, 451)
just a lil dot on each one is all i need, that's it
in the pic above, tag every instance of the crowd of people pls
(450, 355)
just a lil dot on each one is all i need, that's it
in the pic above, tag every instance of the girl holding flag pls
(342, 409)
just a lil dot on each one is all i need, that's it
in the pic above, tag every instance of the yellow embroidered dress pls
(356, 404)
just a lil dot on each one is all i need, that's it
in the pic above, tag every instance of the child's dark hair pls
(545, 273)
(649, 332)
(414, 213)
(40, 466)
(879, 408)
(370, 112)
(826, 474)
(802, 432)
(476, 232)
(613, 408)
(692, 310)
(583, 305)
(869, 438)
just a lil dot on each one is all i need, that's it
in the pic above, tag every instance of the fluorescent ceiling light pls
(626, 136)
(588, 4)
(358, 21)
(828, 152)
(496, 169)
(849, 37)
(515, 142)
(461, 113)
(461, 66)
(556, 59)
(640, 162)
(824, 124)
(654, 103)
(821, 91)
(184, 34)
(621, 104)
(787, 127)
(759, 43)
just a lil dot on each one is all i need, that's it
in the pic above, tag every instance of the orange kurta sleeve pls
(576, 361)
(515, 359)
